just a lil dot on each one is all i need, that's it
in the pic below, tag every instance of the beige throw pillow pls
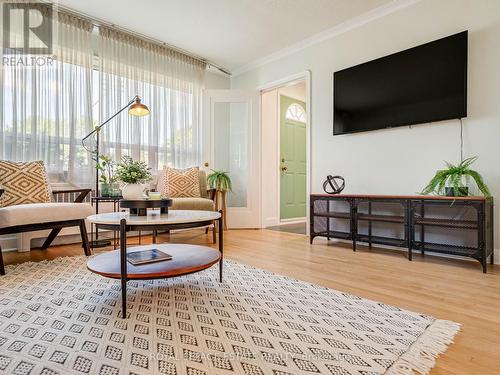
(24, 183)
(181, 183)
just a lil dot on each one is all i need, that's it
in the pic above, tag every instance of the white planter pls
(133, 191)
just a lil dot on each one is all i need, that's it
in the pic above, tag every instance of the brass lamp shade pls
(138, 109)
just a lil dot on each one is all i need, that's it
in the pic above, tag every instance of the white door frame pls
(302, 76)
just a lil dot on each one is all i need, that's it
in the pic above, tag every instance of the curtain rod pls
(100, 22)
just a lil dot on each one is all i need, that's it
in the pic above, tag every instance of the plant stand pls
(220, 204)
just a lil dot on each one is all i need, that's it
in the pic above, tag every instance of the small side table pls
(95, 243)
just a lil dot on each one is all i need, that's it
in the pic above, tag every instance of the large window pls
(157, 139)
(45, 118)
(46, 110)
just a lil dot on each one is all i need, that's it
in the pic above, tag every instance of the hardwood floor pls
(447, 289)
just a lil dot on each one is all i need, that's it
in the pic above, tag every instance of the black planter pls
(463, 191)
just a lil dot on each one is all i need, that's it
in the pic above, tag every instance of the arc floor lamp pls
(135, 108)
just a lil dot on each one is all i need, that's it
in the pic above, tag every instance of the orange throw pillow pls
(181, 183)
(23, 183)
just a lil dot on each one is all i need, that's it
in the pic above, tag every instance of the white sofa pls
(51, 216)
(205, 202)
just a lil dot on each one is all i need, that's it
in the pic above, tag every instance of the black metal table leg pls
(354, 224)
(328, 221)
(311, 221)
(123, 265)
(116, 208)
(96, 230)
(409, 226)
(91, 234)
(411, 240)
(370, 225)
(221, 245)
(422, 228)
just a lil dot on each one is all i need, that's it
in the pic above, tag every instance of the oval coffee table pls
(186, 259)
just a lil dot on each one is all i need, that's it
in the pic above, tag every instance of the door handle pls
(284, 169)
(206, 164)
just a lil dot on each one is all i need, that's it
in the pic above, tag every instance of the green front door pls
(292, 158)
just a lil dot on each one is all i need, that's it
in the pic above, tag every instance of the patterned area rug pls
(58, 318)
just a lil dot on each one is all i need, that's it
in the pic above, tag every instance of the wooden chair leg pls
(2, 268)
(214, 233)
(52, 235)
(224, 209)
(85, 238)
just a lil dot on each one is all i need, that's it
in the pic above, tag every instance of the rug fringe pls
(422, 354)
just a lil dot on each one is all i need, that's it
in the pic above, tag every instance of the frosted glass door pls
(233, 127)
(231, 150)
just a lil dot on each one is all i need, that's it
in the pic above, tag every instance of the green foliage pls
(454, 176)
(106, 168)
(220, 181)
(133, 172)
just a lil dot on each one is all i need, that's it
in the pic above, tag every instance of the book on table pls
(147, 256)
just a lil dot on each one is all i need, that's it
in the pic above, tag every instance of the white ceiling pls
(231, 33)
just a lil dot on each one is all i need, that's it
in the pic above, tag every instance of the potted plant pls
(134, 174)
(221, 182)
(106, 168)
(454, 180)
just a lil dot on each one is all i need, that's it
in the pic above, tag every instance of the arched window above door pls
(296, 112)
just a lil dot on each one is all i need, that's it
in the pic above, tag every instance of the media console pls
(461, 226)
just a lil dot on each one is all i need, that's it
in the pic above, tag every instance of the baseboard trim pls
(293, 220)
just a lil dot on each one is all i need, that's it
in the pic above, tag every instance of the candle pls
(154, 195)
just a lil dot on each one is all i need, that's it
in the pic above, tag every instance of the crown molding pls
(344, 27)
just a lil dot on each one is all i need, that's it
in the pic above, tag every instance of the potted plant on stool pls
(454, 180)
(221, 182)
(134, 174)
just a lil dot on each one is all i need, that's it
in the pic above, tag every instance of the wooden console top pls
(374, 196)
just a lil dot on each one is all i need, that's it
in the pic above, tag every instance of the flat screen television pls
(421, 84)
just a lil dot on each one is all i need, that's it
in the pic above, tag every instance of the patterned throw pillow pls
(181, 183)
(23, 183)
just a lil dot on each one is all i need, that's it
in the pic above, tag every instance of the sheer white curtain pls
(168, 82)
(47, 108)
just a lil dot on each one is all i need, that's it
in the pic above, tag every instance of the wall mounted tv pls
(422, 84)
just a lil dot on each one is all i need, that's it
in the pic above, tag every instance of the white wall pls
(402, 160)
(215, 80)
